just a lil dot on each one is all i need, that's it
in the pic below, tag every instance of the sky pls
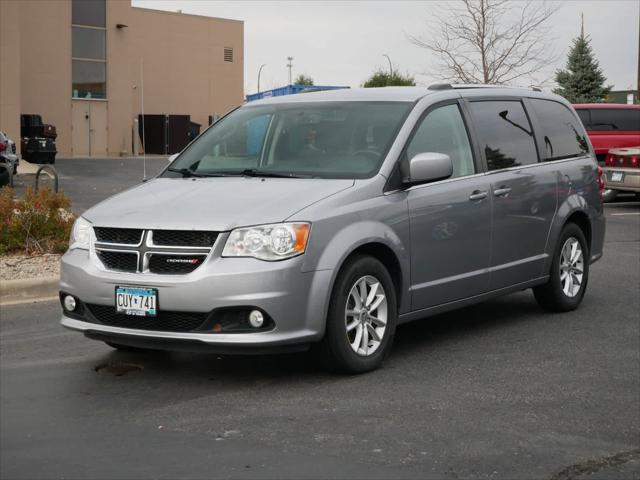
(343, 42)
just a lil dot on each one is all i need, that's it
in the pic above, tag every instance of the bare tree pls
(490, 41)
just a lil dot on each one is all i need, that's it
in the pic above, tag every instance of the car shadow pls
(411, 340)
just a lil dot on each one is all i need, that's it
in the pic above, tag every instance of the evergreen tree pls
(385, 79)
(303, 80)
(582, 81)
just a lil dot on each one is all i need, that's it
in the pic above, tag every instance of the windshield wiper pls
(254, 172)
(187, 172)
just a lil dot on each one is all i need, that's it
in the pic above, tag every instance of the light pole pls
(390, 67)
(289, 65)
(260, 71)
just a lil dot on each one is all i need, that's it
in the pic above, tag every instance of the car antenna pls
(144, 144)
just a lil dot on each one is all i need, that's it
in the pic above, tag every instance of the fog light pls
(69, 303)
(256, 319)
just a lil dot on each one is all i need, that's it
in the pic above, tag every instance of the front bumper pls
(630, 179)
(296, 301)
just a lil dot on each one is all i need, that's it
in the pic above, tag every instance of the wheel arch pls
(373, 238)
(387, 257)
(581, 219)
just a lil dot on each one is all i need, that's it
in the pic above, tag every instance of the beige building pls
(81, 64)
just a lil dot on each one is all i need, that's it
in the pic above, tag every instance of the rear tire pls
(609, 195)
(569, 273)
(360, 326)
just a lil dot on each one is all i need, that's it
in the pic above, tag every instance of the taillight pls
(634, 161)
(608, 161)
(600, 177)
(3, 146)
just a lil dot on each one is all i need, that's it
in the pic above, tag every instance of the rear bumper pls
(630, 179)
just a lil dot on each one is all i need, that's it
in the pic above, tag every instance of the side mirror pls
(429, 167)
(173, 157)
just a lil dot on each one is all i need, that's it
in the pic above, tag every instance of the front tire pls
(569, 273)
(362, 317)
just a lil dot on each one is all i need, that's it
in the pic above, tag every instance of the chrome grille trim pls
(145, 248)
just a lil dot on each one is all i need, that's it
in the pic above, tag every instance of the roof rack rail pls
(440, 86)
(464, 86)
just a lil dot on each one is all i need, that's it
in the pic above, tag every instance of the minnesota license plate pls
(617, 176)
(137, 301)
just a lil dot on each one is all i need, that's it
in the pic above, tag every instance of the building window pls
(89, 12)
(88, 49)
(228, 54)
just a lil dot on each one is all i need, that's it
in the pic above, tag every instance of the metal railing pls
(51, 172)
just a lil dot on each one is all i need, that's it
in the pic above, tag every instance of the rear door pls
(450, 220)
(523, 191)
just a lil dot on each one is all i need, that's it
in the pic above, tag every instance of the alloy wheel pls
(366, 315)
(571, 267)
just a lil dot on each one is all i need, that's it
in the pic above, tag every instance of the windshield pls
(326, 140)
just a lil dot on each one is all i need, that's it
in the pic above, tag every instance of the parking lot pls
(497, 390)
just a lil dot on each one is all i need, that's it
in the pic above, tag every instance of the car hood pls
(218, 204)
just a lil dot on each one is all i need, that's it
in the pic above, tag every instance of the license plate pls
(138, 301)
(617, 176)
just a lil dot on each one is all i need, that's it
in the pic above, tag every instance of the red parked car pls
(610, 126)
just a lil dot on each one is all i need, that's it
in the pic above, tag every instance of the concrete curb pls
(28, 289)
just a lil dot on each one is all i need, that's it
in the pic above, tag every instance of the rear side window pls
(561, 132)
(585, 117)
(615, 119)
(504, 133)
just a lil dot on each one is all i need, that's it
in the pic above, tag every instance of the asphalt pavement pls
(497, 390)
(88, 181)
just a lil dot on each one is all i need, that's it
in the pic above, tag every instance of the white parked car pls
(8, 159)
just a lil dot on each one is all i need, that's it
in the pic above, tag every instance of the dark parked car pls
(38, 143)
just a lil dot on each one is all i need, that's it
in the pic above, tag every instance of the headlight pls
(268, 242)
(80, 234)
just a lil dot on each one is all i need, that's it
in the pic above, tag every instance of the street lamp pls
(260, 71)
(390, 67)
(289, 66)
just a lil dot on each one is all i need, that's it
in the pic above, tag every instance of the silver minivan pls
(327, 219)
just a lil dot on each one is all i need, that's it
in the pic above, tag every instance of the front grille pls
(120, 261)
(184, 238)
(131, 236)
(174, 264)
(165, 321)
(165, 252)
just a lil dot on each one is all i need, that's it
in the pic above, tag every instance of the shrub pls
(40, 222)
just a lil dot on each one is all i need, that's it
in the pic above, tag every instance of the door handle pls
(477, 195)
(502, 191)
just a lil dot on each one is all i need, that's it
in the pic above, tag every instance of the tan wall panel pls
(10, 69)
(184, 69)
(119, 77)
(45, 62)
